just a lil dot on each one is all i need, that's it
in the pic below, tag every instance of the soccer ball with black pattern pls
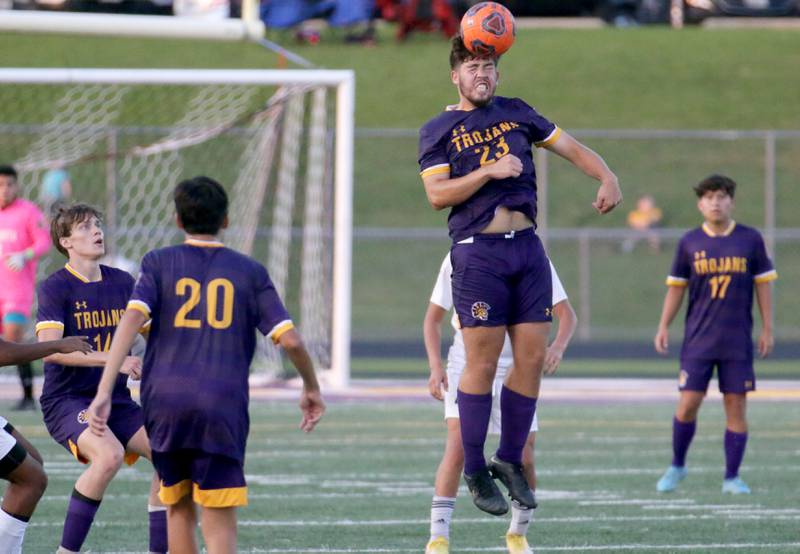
(488, 29)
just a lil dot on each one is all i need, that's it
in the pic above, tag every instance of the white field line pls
(585, 548)
(463, 521)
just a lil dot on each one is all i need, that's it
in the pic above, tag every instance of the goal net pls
(279, 141)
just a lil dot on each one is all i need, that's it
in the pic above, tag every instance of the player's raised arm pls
(432, 335)
(444, 192)
(17, 353)
(311, 403)
(587, 160)
(124, 336)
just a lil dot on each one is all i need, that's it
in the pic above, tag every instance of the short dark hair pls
(8, 171)
(459, 53)
(201, 204)
(64, 216)
(714, 183)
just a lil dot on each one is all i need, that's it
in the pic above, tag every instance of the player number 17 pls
(719, 285)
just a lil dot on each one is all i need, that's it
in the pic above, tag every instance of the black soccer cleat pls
(485, 494)
(514, 480)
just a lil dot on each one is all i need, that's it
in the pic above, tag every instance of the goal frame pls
(344, 83)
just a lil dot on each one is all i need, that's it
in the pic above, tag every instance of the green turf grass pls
(363, 483)
(417, 368)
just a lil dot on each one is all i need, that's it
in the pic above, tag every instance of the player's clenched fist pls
(609, 196)
(507, 166)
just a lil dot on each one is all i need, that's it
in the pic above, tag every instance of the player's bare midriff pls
(506, 220)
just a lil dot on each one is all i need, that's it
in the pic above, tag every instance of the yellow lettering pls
(514, 125)
(712, 265)
(505, 127)
(744, 265)
(467, 140)
(496, 132)
(457, 142)
(87, 320)
(703, 266)
(487, 136)
(477, 137)
(95, 319)
(115, 315)
(697, 268)
(77, 317)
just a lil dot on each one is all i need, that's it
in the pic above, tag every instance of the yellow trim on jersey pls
(204, 243)
(78, 275)
(280, 329)
(139, 306)
(676, 281)
(435, 170)
(173, 493)
(707, 230)
(554, 136)
(42, 325)
(145, 329)
(767, 276)
(220, 498)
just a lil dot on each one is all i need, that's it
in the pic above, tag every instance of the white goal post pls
(268, 131)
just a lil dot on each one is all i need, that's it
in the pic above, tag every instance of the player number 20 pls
(217, 290)
(719, 285)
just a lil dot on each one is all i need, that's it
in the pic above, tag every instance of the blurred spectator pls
(356, 15)
(420, 15)
(643, 219)
(56, 187)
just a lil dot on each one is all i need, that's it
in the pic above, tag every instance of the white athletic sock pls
(12, 531)
(520, 519)
(441, 514)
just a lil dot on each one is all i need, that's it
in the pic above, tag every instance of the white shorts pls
(451, 408)
(7, 440)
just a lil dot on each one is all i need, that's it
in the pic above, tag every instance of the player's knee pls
(109, 461)
(38, 484)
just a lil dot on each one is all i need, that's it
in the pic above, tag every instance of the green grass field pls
(417, 368)
(362, 482)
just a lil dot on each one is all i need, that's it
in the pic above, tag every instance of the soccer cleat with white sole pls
(517, 544)
(735, 486)
(669, 481)
(439, 545)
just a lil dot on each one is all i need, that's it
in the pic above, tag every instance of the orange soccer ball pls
(488, 29)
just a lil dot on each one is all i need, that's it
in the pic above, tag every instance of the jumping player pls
(477, 160)
(442, 386)
(719, 262)
(86, 297)
(23, 239)
(20, 462)
(206, 302)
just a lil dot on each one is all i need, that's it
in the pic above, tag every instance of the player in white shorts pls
(20, 462)
(443, 386)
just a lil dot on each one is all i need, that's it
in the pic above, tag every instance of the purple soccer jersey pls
(206, 303)
(459, 142)
(70, 302)
(720, 271)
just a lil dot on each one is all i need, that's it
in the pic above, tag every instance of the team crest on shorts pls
(480, 310)
(683, 376)
(82, 417)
